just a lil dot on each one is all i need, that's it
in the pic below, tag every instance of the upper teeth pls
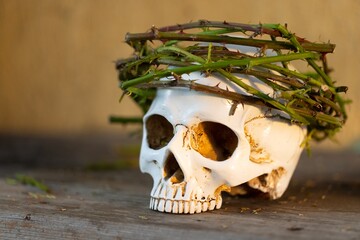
(182, 198)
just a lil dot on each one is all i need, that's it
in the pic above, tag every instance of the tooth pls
(178, 195)
(218, 202)
(186, 207)
(181, 206)
(182, 187)
(199, 194)
(205, 206)
(168, 206)
(189, 190)
(192, 207)
(157, 191)
(187, 195)
(198, 207)
(156, 202)
(163, 192)
(212, 205)
(154, 189)
(151, 203)
(175, 208)
(170, 193)
(161, 205)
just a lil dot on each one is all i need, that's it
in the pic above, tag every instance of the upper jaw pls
(182, 198)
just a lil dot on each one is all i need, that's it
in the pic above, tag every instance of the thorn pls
(122, 95)
(203, 22)
(173, 83)
(342, 89)
(233, 108)
(259, 31)
(217, 85)
(206, 74)
(154, 30)
(225, 22)
(177, 77)
(227, 89)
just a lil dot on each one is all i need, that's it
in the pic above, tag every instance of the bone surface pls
(194, 149)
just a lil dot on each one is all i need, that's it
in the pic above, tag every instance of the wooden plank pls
(323, 201)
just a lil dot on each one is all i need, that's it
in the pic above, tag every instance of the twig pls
(312, 101)
(167, 36)
(124, 120)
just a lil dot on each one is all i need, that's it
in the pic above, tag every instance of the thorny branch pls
(308, 98)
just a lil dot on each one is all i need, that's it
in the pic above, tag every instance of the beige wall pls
(56, 56)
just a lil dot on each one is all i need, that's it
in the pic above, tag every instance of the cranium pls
(194, 149)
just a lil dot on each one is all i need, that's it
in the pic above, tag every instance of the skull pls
(194, 149)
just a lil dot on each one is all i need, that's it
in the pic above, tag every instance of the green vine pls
(310, 98)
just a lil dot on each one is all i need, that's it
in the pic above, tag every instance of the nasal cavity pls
(172, 170)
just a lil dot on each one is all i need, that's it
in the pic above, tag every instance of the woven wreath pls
(309, 98)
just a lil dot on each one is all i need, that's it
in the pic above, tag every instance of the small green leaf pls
(27, 180)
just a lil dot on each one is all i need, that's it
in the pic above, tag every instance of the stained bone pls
(194, 150)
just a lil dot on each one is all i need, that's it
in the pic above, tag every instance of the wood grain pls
(322, 202)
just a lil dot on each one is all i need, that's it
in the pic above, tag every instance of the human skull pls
(194, 149)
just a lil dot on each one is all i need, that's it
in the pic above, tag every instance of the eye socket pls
(213, 140)
(159, 131)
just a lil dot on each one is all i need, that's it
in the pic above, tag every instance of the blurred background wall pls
(57, 57)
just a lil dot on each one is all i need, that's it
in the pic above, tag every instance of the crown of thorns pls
(309, 98)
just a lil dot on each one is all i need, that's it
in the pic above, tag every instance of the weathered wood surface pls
(322, 202)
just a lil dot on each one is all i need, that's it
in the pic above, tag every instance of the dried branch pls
(307, 99)
(192, 85)
(269, 44)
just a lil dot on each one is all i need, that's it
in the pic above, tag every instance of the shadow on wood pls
(323, 200)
